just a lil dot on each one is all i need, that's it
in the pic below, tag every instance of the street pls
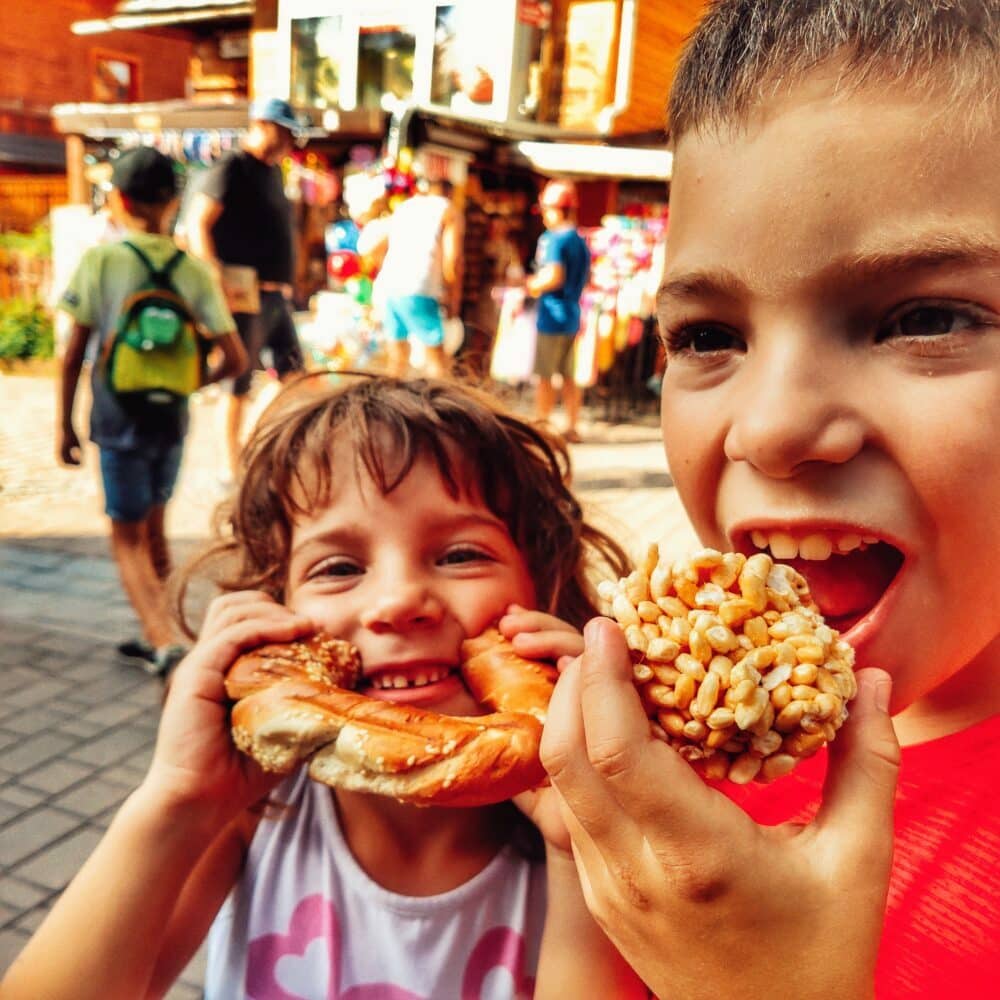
(76, 730)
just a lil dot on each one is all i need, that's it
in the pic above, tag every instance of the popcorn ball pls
(735, 666)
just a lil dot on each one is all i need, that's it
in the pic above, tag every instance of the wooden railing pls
(26, 199)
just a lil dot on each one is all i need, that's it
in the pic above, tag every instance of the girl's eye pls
(929, 320)
(700, 339)
(464, 554)
(336, 567)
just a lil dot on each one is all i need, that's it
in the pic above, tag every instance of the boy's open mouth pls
(847, 573)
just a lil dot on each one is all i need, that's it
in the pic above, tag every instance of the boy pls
(831, 313)
(563, 267)
(140, 443)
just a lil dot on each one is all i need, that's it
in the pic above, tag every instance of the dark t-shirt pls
(255, 228)
(559, 310)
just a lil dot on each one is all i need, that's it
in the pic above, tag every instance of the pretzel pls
(294, 703)
(734, 664)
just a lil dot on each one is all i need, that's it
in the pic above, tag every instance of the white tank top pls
(412, 264)
(305, 922)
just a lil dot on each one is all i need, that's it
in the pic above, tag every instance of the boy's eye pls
(928, 320)
(700, 339)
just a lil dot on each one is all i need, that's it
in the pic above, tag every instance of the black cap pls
(146, 175)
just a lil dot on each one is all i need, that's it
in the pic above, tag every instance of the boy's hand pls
(539, 636)
(196, 762)
(701, 900)
(69, 450)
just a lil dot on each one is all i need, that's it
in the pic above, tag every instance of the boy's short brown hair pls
(380, 427)
(743, 50)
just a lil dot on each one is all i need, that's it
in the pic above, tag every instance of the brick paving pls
(77, 730)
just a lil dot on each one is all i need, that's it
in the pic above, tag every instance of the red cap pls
(559, 194)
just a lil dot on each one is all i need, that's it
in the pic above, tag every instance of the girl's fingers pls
(861, 781)
(518, 620)
(551, 644)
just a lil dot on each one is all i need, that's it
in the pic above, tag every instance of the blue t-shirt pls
(559, 310)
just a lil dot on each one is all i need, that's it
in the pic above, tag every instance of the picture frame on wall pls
(114, 77)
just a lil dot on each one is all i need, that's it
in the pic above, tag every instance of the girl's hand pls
(195, 761)
(698, 898)
(538, 636)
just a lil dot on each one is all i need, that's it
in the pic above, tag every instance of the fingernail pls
(883, 692)
(592, 631)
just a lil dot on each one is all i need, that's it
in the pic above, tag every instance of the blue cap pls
(273, 109)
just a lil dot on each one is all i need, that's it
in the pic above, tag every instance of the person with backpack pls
(157, 315)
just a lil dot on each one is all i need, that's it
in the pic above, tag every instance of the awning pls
(593, 160)
(32, 151)
(138, 14)
(112, 121)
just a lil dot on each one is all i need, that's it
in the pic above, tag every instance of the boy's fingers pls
(860, 787)
(590, 807)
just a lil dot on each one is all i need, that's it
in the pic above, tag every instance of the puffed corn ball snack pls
(735, 666)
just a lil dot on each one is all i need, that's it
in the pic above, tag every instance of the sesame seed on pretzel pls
(295, 703)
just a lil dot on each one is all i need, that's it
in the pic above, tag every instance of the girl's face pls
(831, 302)
(406, 578)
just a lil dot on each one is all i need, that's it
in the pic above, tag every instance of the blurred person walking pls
(140, 431)
(240, 222)
(562, 267)
(419, 275)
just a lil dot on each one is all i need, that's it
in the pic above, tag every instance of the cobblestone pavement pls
(77, 730)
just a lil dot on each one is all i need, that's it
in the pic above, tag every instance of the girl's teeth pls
(403, 681)
(759, 539)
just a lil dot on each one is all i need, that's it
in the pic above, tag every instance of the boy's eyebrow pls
(701, 285)
(915, 254)
(926, 252)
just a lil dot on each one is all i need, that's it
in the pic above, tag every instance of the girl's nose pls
(403, 605)
(795, 408)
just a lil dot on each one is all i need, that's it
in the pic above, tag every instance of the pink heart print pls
(277, 962)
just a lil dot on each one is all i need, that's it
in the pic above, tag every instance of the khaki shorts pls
(555, 353)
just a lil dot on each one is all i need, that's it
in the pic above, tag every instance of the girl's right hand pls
(196, 762)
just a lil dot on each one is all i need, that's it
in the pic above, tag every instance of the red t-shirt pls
(942, 927)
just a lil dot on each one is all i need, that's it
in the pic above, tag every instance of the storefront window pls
(316, 61)
(386, 51)
(470, 68)
(535, 79)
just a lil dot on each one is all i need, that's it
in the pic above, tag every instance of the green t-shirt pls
(106, 276)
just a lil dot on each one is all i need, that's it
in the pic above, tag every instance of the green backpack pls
(155, 352)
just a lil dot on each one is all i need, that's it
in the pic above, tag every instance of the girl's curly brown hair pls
(382, 426)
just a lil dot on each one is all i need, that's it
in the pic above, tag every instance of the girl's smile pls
(406, 577)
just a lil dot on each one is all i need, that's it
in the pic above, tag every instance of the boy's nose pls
(794, 410)
(403, 605)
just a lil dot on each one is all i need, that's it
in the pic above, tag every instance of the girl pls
(402, 517)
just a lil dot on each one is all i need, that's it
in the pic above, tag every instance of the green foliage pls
(26, 330)
(37, 243)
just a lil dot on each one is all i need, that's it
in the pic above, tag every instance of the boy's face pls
(831, 302)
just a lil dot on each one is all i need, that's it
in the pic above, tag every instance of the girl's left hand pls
(539, 636)
(536, 635)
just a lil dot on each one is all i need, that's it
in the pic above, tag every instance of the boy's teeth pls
(816, 547)
(783, 546)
